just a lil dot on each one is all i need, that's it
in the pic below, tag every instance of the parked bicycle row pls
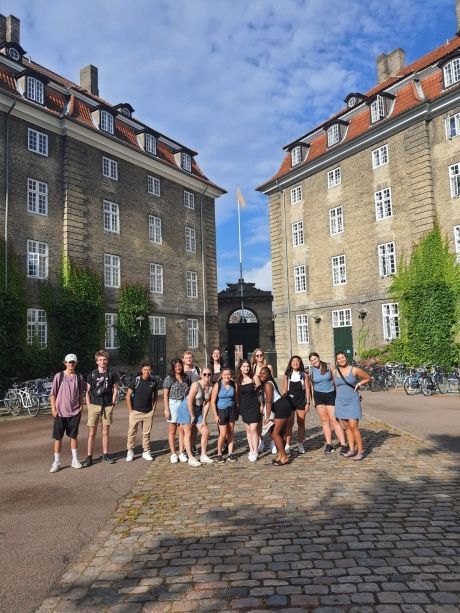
(31, 396)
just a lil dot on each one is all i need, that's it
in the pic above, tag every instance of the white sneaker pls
(147, 456)
(130, 456)
(173, 459)
(273, 447)
(194, 462)
(301, 448)
(261, 446)
(55, 467)
(205, 459)
(76, 464)
(287, 449)
(183, 457)
(253, 456)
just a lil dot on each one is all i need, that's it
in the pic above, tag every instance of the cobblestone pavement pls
(323, 534)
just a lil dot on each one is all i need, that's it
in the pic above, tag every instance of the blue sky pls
(234, 80)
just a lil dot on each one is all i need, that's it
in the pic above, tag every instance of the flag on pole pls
(240, 198)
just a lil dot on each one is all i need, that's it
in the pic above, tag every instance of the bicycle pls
(435, 381)
(413, 382)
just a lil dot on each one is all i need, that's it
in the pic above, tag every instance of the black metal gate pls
(157, 353)
(242, 334)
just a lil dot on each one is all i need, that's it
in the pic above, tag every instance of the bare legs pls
(351, 427)
(226, 432)
(328, 421)
(277, 436)
(300, 426)
(204, 433)
(253, 437)
(172, 429)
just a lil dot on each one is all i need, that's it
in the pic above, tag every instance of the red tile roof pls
(406, 98)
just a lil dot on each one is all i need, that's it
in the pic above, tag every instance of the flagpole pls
(241, 261)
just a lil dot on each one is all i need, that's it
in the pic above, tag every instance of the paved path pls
(323, 534)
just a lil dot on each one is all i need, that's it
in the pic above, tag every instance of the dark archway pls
(242, 329)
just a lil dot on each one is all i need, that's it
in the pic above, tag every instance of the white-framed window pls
(189, 200)
(111, 270)
(457, 242)
(302, 329)
(191, 284)
(380, 156)
(383, 205)
(387, 259)
(153, 185)
(296, 155)
(190, 239)
(297, 234)
(452, 126)
(37, 142)
(333, 135)
(155, 234)
(35, 90)
(454, 176)
(37, 327)
(37, 259)
(111, 217)
(192, 333)
(150, 144)
(334, 177)
(390, 318)
(37, 197)
(377, 109)
(300, 279)
(336, 220)
(339, 270)
(452, 72)
(296, 194)
(106, 122)
(111, 331)
(110, 168)
(157, 325)
(341, 318)
(186, 162)
(156, 278)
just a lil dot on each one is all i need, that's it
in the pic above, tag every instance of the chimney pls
(88, 79)
(13, 29)
(390, 64)
(2, 28)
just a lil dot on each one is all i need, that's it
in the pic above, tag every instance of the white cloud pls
(261, 276)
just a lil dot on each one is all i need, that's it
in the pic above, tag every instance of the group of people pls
(192, 396)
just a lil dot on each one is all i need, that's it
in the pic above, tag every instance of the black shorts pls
(227, 416)
(66, 425)
(327, 398)
(282, 408)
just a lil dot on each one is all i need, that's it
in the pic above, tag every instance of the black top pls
(144, 394)
(101, 386)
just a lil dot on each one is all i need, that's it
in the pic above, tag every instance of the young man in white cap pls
(67, 394)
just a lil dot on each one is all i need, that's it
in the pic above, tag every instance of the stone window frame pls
(300, 278)
(37, 327)
(37, 197)
(341, 318)
(387, 259)
(111, 331)
(334, 177)
(37, 142)
(156, 278)
(452, 123)
(37, 259)
(189, 200)
(192, 333)
(383, 204)
(150, 144)
(454, 178)
(111, 216)
(296, 194)
(380, 156)
(157, 325)
(109, 168)
(190, 239)
(339, 270)
(336, 221)
(191, 284)
(390, 321)
(303, 333)
(298, 237)
(451, 72)
(106, 122)
(35, 90)
(153, 186)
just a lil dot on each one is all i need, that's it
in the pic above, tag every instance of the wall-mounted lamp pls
(140, 319)
(317, 319)
(362, 313)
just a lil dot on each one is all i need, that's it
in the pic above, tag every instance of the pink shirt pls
(68, 397)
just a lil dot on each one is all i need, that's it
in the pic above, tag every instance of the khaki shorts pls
(94, 413)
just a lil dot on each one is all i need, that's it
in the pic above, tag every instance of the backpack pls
(105, 387)
(81, 382)
(138, 378)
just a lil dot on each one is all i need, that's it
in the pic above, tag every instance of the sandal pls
(358, 456)
(279, 463)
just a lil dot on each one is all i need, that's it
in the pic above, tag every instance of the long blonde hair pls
(254, 361)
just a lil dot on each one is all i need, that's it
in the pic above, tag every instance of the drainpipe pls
(205, 330)
(287, 268)
(7, 188)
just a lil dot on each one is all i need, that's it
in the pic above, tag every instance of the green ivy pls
(133, 323)
(427, 289)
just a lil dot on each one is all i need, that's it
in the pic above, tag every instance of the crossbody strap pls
(344, 380)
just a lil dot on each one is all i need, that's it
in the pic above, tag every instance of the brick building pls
(353, 196)
(85, 178)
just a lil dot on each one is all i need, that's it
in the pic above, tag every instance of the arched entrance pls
(243, 330)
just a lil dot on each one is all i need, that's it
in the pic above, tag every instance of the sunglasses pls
(71, 362)
(259, 355)
(206, 374)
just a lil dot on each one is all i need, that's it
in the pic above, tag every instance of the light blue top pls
(226, 397)
(322, 383)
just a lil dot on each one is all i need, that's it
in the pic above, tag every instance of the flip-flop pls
(279, 463)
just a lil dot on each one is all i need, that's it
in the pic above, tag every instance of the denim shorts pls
(173, 408)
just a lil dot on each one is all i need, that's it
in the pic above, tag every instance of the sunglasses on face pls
(259, 355)
(206, 374)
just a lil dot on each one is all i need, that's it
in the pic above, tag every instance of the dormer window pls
(354, 99)
(451, 72)
(12, 50)
(377, 109)
(125, 109)
(106, 122)
(14, 54)
(333, 135)
(186, 162)
(296, 155)
(150, 144)
(35, 90)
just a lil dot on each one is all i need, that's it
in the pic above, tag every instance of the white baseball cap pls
(70, 357)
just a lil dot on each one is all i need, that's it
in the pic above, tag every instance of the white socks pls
(57, 458)
(74, 454)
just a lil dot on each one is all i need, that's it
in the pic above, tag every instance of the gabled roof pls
(406, 98)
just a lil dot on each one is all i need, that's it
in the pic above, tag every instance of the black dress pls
(249, 403)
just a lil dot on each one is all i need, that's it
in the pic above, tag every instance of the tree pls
(427, 289)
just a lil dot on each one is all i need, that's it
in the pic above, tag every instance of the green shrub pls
(133, 323)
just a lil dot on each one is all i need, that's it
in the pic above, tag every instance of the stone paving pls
(323, 534)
